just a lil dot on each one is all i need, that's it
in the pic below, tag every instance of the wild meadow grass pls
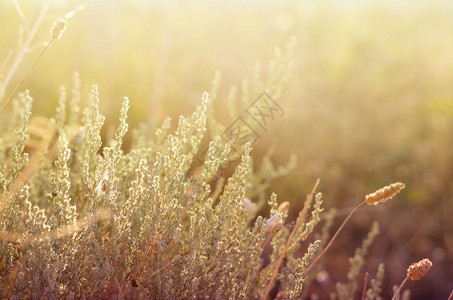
(183, 206)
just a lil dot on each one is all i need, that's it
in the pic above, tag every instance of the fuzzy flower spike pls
(415, 272)
(384, 194)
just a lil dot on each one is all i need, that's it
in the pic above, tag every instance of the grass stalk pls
(25, 76)
(364, 286)
(397, 292)
(290, 238)
(22, 52)
(333, 238)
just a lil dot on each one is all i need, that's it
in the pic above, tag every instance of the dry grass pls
(368, 101)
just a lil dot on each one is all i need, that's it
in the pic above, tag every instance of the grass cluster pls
(82, 220)
(183, 210)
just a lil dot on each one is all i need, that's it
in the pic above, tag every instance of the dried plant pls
(82, 218)
(415, 272)
(376, 284)
(122, 223)
(384, 194)
(375, 198)
(347, 291)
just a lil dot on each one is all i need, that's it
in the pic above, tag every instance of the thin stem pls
(24, 49)
(22, 29)
(451, 295)
(25, 76)
(400, 287)
(333, 238)
(364, 286)
(19, 10)
(9, 55)
(291, 236)
(162, 268)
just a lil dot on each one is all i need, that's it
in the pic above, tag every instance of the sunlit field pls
(146, 204)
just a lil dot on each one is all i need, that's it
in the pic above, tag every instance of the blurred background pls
(369, 102)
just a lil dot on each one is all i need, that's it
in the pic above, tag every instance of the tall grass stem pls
(291, 236)
(397, 292)
(22, 52)
(333, 238)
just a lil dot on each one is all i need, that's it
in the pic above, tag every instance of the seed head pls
(273, 225)
(58, 28)
(384, 193)
(417, 270)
